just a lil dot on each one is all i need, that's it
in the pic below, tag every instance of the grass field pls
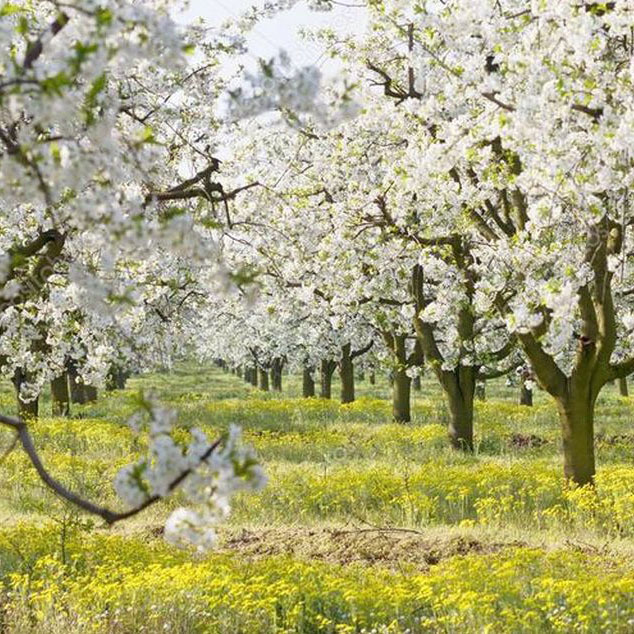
(365, 525)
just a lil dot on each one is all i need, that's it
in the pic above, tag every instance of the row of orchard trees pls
(474, 212)
(477, 209)
(112, 200)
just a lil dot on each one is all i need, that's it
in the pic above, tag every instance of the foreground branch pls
(109, 516)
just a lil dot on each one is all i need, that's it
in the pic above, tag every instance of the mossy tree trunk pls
(576, 392)
(401, 381)
(576, 415)
(459, 387)
(459, 382)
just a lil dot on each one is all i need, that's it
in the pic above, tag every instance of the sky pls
(281, 32)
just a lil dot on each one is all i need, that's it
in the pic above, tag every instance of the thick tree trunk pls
(25, 410)
(401, 391)
(325, 378)
(346, 374)
(60, 395)
(576, 414)
(276, 374)
(623, 391)
(459, 387)
(308, 383)
(263, 379)
(401, 382)
(526, 395)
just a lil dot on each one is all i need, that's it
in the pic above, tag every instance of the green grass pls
(365, 526)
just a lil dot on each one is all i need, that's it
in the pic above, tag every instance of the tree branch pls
(109, 516)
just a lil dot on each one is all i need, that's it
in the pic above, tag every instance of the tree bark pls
(263, 379)
(401, 397)
(346, 374)
(623, 391)
(253, 376)
(325, 376)
(577, 426)
(60, 395)
(459, 387)
(401, 382)
(308, 383)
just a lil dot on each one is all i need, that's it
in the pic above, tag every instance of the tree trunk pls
(253, 376)
(25, 410)
(401, 383)
(623, 391)
(308, 383)
(276, 374)
(60, 396)
(372, 377)
(325, 377)
(576, 415)
(401, 390)
(77, 389)
(346, 373)
(416, 383)
(526, 395)
(263, 380)
(459, 387)
(481, 391)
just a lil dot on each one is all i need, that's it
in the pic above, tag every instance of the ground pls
(365, 525)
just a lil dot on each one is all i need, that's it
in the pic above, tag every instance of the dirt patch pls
(618, 439)
(381, 546)
(527, 441)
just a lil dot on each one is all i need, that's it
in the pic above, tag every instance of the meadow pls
(365, 525)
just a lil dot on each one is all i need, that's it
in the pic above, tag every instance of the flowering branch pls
(111, 517)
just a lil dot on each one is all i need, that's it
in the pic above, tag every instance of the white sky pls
(280, 32)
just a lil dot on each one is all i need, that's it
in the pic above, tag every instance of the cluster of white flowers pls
(206, 475)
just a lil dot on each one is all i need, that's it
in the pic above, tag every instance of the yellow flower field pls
(365, 525)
